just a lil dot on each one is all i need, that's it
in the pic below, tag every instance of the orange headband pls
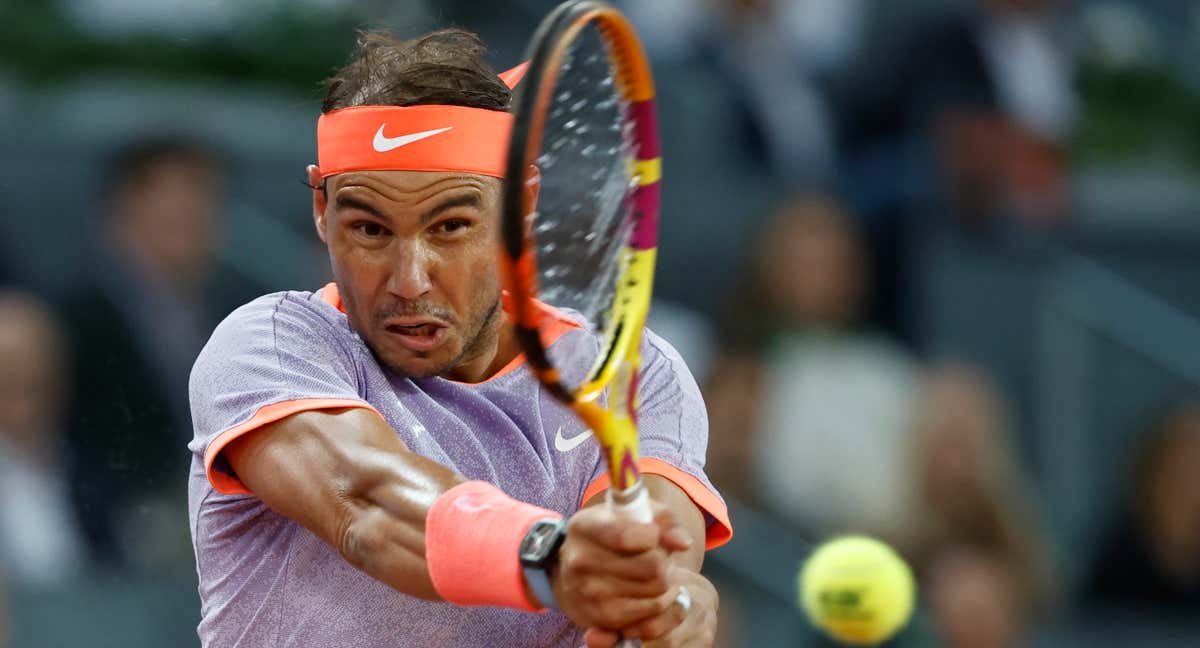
(416, 138)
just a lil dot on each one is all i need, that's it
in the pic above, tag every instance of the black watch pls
(539, 553)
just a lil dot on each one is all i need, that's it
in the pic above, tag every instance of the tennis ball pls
(857, 589)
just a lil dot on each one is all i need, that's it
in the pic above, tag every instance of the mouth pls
(419, 335)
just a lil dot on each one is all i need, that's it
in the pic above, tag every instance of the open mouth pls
(420, 336)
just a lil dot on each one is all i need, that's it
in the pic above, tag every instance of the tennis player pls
(374, 465)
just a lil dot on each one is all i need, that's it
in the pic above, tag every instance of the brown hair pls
(444, 67)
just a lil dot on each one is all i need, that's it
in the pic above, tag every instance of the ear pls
(320, 201)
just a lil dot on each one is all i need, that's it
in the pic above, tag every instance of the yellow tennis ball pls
(857, 589)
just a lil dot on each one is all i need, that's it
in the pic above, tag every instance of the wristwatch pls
(539, 553)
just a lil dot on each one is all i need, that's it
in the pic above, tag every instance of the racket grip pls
(633, 504)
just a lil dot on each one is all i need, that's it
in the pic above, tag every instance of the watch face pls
(538, 541)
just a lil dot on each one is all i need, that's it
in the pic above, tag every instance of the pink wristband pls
(473, 535)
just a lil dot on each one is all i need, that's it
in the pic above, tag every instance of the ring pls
(684, 599)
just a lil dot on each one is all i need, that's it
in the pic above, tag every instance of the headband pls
(416, 138)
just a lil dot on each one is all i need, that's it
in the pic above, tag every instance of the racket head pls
(580, 213)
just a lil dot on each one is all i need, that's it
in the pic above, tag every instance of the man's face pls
(169, 219)
(415, 256)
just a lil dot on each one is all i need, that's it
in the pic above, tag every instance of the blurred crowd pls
(827, 411)
(93, 396)
(834, 427)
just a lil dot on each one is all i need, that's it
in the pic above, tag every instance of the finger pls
(605, 528)
(699, 630)
(677, 539)
(600, 638)
(670, 621)
(600, 588)
(581, 557)
(625, 612)
(675, 536)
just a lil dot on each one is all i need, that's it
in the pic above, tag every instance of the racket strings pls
(583, 221)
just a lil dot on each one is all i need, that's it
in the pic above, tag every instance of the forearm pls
(347, 477)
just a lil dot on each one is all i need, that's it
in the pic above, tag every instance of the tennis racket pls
(580, 215)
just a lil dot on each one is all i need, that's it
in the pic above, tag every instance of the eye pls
(453, 225)
(370, 229)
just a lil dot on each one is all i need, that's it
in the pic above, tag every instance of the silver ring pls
(684, 599)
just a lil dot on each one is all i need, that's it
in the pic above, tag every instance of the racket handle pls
(633, 504)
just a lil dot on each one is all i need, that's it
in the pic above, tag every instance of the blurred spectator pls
(39, 543)
(990, 84)
(971, 513)
(809, 412)
(771, 56)
(1151, 562)
(136, 322)
(976, 601)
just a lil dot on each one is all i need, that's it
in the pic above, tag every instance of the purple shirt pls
(267, 581)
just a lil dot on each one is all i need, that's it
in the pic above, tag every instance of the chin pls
(412, 365)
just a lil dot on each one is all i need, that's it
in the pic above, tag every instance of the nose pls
(410, 274)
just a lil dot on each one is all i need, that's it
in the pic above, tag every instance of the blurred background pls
(936, 264)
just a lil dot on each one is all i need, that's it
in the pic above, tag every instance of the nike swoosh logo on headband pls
(567, 444)
(385, 144)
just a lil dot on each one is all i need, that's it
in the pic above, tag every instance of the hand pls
(613, 572)
(695, 628)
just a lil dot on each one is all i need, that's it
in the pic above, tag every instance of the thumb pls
(674, 536)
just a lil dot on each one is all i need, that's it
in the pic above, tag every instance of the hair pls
(1005, 522)
(752, 316)
(444, 67)
(132, 161)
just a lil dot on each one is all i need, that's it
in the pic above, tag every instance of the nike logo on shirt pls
(567, 444)
(384, 144)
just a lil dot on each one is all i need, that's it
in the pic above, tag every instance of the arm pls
(346, 476)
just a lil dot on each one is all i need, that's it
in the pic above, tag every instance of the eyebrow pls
(463, 200)
(350, 202)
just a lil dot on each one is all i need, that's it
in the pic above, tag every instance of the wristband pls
(473, 536)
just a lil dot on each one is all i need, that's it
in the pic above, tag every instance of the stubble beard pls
(477, 340)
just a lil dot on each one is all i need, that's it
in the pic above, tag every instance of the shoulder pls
(291, 321)
(272, 304)
(289, 309)
(657, 350)
(665, 377)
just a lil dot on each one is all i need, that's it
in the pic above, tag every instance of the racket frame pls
(616, 369)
